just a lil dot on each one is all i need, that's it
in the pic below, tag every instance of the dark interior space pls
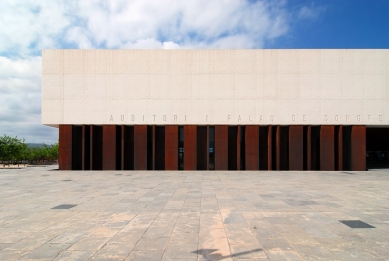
(377, 139)
(283, 147)
(315, 148)
(263, 147)
(273, 147)
(97, 147)
(159, 147)
(232, 147)
(77, 147)
(377, 148)
(211, 147)
(346, 147)
(305, 147)
(86, 146)
(242, 147)
(202, 148)
(128, 150)
(181, 147)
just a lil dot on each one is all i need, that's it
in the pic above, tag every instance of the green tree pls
(14, 150)
(11, 149)
(54, 151)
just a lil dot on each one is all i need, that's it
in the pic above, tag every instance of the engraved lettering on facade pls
(294, 117)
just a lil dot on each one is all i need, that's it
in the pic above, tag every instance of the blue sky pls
(340, 24)
(28, 26)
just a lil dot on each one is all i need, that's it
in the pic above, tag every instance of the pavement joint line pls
(26, 196)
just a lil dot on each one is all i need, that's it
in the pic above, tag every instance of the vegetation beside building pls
(16, 151)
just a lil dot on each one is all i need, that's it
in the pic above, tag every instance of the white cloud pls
(20, 100)
(29, 67)
(31, 25)
(310, 12)
(78, 36)
(233, 41)
(28, 26)
(150, 43)
(170, 45)
(187, 23)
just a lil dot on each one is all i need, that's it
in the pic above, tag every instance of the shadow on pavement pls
(207, 254)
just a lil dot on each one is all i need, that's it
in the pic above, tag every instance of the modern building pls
(217, 109)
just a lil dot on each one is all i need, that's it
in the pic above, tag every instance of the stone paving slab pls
(215, 215)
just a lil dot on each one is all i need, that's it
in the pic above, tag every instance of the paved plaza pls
(46, 214)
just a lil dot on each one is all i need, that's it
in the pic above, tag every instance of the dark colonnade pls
(220, 147)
